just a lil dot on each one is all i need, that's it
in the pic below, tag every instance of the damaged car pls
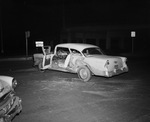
(84, 59)
(10, 104)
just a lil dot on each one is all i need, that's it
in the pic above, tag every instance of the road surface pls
(61, 97)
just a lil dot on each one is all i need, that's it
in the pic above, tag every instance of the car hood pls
(4, 88)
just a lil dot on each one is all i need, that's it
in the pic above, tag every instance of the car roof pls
(77, 46)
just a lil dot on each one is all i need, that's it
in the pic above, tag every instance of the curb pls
(16, 59)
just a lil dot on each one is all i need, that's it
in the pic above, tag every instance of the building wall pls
(112, 40)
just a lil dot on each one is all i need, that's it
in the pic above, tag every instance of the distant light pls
(133, 33)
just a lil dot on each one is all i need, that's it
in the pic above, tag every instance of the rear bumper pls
(116, 72)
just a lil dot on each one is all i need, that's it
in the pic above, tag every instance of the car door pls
(61, 58)
(46, 63)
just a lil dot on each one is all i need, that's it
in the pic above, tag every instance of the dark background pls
(45, 19)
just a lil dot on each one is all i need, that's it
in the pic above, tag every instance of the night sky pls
(46, 18)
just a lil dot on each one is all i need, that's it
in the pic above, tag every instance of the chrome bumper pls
(14, 110)
(116, 72)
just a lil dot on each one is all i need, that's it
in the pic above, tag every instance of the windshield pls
(92, 51)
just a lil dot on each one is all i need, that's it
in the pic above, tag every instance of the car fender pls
(78, 62)
(6, 79)
(82, 63)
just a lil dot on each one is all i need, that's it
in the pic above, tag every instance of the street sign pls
(27, 33)
(39, 43)
(133, 33)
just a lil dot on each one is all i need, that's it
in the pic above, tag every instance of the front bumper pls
(15, 109)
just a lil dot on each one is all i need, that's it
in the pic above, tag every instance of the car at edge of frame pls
(10, 103)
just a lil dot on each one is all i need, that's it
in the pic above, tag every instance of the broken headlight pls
(14, 83)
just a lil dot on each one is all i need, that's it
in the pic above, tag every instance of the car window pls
(74, 51)
(92, 51)
(62, 51)
(38, 50)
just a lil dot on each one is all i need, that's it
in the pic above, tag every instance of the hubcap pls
(83, 74)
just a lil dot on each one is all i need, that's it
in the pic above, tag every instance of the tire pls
(84, 73)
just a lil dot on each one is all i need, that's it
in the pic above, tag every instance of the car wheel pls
(84, 73)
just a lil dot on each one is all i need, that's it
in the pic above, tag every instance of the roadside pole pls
(27, 35)
(132, 45)
(2, 48)
(133, 34)
(1, 29)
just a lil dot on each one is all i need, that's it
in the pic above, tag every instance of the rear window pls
(62, 50)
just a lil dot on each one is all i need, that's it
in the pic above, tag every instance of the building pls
(115, 39)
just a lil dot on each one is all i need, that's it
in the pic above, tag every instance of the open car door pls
(46, 62)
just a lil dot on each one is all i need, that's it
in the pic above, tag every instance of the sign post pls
(27, 35)
(40, 44)
(133, 35)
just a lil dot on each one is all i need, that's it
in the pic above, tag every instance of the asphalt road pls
(61, 97)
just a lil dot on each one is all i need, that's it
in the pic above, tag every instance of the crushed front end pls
(10, 106)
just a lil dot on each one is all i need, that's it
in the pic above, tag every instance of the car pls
(10, 104)
(84, 59)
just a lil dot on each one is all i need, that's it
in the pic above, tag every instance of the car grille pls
(8, 102)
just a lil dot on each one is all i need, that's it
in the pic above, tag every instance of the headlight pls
(14, 83)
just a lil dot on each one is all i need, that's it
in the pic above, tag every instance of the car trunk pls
(115, 62)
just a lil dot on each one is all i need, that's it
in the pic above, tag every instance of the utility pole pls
(1, 28)
(27, 35)
(63, 14)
